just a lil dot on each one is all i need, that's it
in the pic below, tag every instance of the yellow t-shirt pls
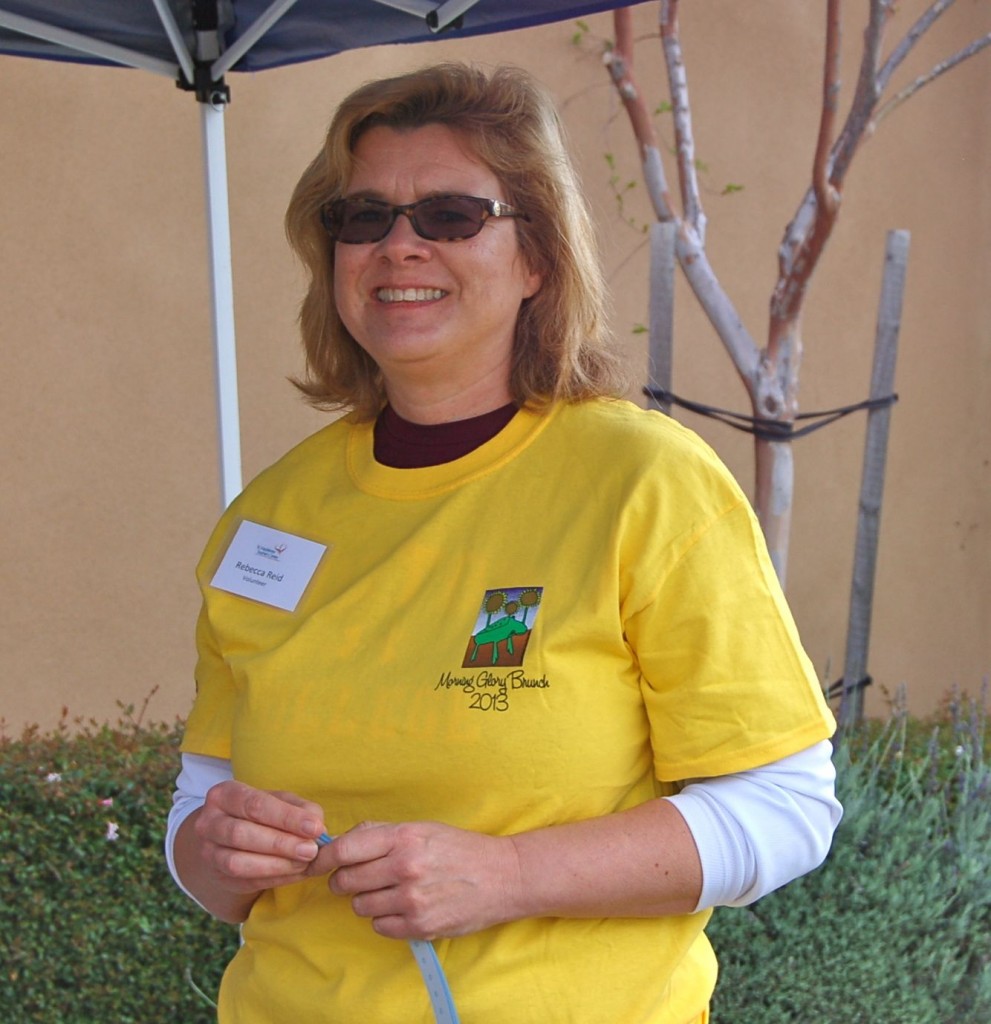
(562, 624)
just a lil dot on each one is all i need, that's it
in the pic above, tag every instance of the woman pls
(535, 671)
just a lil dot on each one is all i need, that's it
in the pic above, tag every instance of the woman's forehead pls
(431, 158)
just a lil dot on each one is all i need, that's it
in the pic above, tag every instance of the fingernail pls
(306, 851)
(309, 825)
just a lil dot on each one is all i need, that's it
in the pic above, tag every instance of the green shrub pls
(895, 928)
(92, 928)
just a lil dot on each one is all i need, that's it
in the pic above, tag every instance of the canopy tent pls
(197, 42)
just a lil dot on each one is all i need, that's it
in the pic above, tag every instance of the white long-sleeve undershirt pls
(754, 830)
(757, 830)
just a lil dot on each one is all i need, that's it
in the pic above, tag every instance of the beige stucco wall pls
(109, 458)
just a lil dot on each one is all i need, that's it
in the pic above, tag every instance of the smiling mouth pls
(409, 294)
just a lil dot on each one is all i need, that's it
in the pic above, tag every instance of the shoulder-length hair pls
(562, 349)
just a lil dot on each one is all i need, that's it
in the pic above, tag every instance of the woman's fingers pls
(282, 811)
(255, 836)
(422, 879)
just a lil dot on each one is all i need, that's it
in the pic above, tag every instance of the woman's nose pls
(403, 237)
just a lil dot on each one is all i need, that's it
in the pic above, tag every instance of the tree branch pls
(914, 34)
(689, 246)
(940, 69)
(682, 114)
(866, 94)
(808, 233)
(619, 62)
(826, 196)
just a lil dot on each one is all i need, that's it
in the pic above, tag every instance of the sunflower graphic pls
(503, 627)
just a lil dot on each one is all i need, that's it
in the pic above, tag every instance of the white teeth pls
(408, 294)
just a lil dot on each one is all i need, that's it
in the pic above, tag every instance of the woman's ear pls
(532, 283)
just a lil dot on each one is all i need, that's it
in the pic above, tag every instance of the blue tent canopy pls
(197, 42)
(293, 30)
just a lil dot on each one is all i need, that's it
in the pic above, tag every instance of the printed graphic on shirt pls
(503, 627)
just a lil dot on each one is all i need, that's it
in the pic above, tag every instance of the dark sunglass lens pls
(451, 218)
(356, 220)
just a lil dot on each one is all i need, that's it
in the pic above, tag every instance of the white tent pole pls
(171, 27)
(86, 44)
(249, 37)
(222, 298)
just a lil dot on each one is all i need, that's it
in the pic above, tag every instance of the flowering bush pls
(91, 926)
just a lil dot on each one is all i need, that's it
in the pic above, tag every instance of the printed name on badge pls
(268, 565)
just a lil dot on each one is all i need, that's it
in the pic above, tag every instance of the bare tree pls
(770, 372)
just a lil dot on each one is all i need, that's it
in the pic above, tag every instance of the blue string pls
(433, 974)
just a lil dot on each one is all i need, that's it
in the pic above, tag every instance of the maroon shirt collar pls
(401, 444)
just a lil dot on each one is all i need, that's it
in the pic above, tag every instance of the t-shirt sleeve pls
(208, 728)
(726, 683)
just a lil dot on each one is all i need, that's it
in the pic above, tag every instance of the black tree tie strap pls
(838, 688)
(766, 429)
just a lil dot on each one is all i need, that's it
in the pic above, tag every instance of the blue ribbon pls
(433, 974)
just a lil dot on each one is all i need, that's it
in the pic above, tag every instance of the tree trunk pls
(774, 395)
(775, 481)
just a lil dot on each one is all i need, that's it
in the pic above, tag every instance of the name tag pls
(268, 565)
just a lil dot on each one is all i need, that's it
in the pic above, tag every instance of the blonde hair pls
(562, 349)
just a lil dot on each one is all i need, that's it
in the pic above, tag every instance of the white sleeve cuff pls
(759, 829)
(198, 775)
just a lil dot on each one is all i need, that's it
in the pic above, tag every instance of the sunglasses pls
(437, 218)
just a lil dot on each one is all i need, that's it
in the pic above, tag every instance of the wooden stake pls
(872, 483)
(661, 340)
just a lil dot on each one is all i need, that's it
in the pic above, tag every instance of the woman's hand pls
(243, 841)
(424, 880)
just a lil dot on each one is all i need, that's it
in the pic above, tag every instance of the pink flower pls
(113, 832)
(107, 802)
(53, 777)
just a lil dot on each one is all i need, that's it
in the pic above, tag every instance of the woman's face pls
(437, 317)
